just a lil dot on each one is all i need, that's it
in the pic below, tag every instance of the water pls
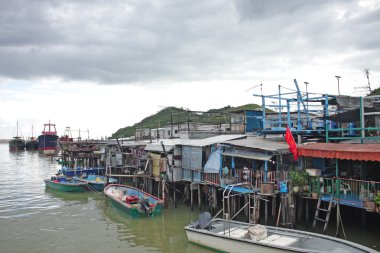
(33, 219)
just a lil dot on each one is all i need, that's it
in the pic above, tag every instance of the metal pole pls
(337, 78)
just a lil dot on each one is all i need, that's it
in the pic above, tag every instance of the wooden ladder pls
(326, 211)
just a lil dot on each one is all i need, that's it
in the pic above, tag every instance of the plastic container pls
(283, 187)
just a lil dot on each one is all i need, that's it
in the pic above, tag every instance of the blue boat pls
(65, 184)
(71, 172)
(96, 182)
(133, 201)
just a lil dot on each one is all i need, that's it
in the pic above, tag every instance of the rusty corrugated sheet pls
(361, 152)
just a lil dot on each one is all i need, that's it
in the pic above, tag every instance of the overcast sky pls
(102, 65)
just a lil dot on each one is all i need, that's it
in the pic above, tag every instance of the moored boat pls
(133, 201)
(71, 172)
(64, 184)
(32, 142)
(48, 140)
(234, 236)
(17, 143)
(96, 182)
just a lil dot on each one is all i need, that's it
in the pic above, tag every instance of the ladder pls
(326, 211)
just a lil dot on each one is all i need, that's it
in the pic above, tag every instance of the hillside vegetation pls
(175, 115)
(375, 92)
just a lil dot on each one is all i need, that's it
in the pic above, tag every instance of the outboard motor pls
(204, 221)
(145, 207)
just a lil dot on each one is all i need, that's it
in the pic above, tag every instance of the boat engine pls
(145, 207)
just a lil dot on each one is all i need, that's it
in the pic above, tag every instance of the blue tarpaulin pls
(213, 164)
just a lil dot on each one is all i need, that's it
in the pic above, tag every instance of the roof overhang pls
(360, 152)
(249, 154)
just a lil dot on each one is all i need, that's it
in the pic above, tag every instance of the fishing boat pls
(72, 172)
(234, 236)
(65, 184)
(133, 201)
(32, 142)
(48, 140)
(17, 143)
(97, 182)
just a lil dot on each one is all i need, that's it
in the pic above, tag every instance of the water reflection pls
(67, 196)
(162, 232)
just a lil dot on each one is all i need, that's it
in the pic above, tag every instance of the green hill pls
(175, 115)
(375, 92)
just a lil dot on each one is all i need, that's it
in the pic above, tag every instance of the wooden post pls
(191, 198)
(266, 210)
(199, 196)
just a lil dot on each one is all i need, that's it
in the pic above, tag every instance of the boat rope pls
(92, 189)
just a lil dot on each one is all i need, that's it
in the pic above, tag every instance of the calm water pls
(33, 219)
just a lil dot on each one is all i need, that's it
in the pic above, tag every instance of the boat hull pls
(79, 172)
(16, 145)
(134, 210)
(65, 187)
(233, 236)
(221, 244)
(97, 183)
(47, 144)
(31, 145)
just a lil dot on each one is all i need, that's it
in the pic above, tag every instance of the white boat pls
(233, 236)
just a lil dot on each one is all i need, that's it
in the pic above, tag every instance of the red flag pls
(292, 144)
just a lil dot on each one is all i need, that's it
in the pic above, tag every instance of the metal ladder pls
(327, 211)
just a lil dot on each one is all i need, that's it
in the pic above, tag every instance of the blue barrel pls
(351, 132)
(283, 187)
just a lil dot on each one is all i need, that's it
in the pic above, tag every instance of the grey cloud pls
(141, 41)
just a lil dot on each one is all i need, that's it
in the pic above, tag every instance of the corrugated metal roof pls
(260, 143)
(213, 140)
(361, 152)
(248, 154)
(170, 143)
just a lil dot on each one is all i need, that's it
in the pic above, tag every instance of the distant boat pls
(96, 182)
(65, 185)
(17, 143)
(48, 140)
(133, 201)
(32, 142)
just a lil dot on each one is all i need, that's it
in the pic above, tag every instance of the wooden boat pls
(234, 236)
(17, 143)
(96, 182)
(66, 185)
(133, 201)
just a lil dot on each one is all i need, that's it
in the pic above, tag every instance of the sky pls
(97, 66)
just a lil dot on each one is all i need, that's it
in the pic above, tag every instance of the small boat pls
(71, 172)
(96, 182)
(234, 236)
(48, 140)
(17, 143)
(64, 184)
(133, 201)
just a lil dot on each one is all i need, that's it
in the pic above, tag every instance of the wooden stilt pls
(191, 198)
(364, 218)
(199, 196)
